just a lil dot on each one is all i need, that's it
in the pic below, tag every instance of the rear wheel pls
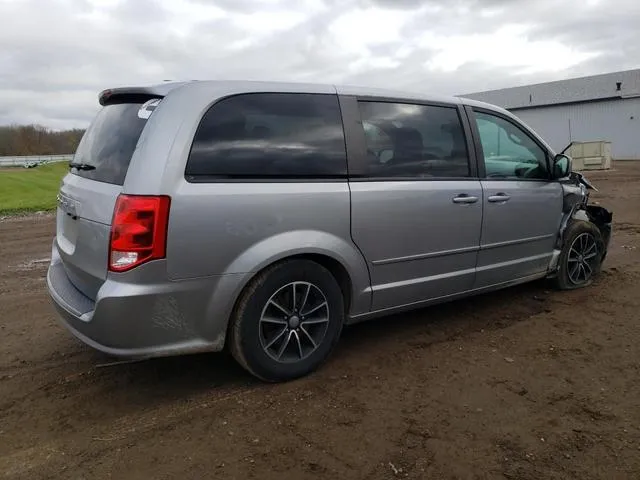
(287, 321)
(581, 256)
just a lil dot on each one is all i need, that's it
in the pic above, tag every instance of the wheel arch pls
(334, 266)
(340, 257)
(337, 269)
(249, 346)
(576, 228)
(576, 213)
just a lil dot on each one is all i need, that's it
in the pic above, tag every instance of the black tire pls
(566, 278)
(247, 331)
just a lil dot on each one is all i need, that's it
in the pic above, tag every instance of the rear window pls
(269, 135)
(109, 142)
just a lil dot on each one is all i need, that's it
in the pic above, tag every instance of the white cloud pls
(509, 47)
(359, 29)
(268, 22)
(185, 14)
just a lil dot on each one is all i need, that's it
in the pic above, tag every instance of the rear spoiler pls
(136, 94)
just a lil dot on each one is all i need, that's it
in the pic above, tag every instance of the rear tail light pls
(138, 231)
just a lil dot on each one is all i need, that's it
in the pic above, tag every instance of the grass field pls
(30, 189)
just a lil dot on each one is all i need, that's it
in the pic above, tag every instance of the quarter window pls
(414, 141)
(508, 151)
(270, 135)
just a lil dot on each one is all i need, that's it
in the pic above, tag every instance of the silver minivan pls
(266, 216)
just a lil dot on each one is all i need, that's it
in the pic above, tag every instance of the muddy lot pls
(526, 383)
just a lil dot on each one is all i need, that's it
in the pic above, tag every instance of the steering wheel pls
(524, 172)
(408, 168)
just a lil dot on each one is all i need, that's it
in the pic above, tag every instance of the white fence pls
(31, 160)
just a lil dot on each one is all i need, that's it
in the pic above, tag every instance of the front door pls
(417, 204)
(522, 205)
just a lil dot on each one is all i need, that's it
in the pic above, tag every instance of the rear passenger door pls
(522, 203)
(416, 208)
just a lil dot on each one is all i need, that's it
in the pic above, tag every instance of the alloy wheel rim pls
(582, 258)
(294, 322)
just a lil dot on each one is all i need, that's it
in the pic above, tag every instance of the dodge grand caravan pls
(266, 216)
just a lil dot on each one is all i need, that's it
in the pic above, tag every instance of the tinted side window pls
(270, 135)
(407, 140)
(508, 151)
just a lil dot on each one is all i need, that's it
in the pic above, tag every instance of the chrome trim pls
(414, 281)
(67, 205)
(431, 301)
(516, 242)
(499, 198)
(465, 200)
(514, 262)
(422, 256)
(444, 253)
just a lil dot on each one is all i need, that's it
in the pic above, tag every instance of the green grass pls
(25, 190)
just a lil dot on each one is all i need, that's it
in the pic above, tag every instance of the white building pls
(597, 108)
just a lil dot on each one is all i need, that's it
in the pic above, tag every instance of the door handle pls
(464, 199)
(499, 198)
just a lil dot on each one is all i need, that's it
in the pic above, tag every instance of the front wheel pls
(581, 256)
(287, 321)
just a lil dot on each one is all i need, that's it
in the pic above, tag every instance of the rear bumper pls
(145, 319)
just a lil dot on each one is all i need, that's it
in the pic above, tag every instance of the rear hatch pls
(89, 192)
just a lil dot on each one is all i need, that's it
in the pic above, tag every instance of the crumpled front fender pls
(575, 206)
(599, 216)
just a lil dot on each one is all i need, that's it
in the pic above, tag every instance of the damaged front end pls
(576, 189)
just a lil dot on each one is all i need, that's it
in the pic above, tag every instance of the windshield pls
(109, 142)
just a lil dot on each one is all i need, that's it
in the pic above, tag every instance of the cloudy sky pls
(56, 55)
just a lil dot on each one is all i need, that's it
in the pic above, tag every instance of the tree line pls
(37, 140)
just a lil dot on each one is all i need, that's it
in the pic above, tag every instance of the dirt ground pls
(525, 383)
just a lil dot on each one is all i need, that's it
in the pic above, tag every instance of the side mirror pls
(561, 166)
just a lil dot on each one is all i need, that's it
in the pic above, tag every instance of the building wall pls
(574, 90)
(616, 121)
